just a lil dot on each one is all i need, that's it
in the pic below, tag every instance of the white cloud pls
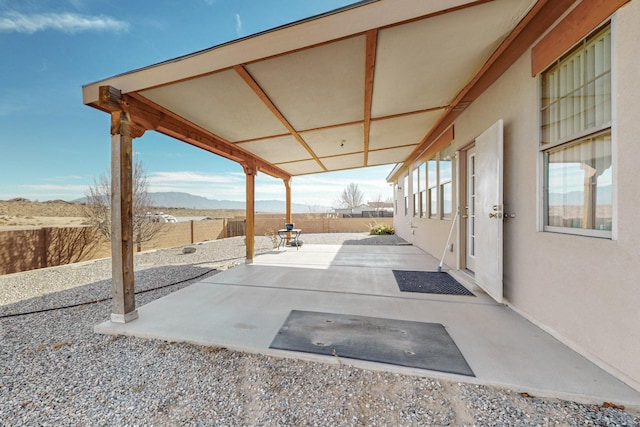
(188, 177)
(48, 192)
(54, 187)
(238, 24)
(312, 190)
(223, 186)
(65, 22)
(325, 189)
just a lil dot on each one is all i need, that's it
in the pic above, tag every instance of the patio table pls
(292, 235)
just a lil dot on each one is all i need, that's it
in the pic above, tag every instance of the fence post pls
(192, 238)
(45, 248)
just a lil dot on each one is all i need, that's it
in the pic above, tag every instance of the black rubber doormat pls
(397, 342)
(429, 282)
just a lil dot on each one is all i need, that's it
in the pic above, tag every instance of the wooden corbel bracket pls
(250, 168)
(123, 121)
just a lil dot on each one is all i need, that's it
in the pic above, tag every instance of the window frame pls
(442, 184)
(581, 136)
(405, 193)
(429, 196)
(432, 190)
(415, 191)
(422, 178)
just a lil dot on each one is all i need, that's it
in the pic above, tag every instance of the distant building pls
(160, 217)
(370, 210)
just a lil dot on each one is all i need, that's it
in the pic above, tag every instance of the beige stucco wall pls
(585, 291)
(428, 234)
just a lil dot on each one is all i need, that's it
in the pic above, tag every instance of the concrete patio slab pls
(243, 309)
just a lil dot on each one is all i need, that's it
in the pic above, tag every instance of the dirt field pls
(24, 214)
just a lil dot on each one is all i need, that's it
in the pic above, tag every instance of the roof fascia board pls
(324, 28)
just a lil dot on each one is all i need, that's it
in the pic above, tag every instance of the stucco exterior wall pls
(584, 290)
(426, 233)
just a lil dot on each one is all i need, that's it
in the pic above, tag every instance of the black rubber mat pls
(397, 342)
(430, 282)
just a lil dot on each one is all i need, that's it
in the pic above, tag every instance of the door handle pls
(493, 215)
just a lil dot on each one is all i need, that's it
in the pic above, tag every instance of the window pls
(423, 189)
(445, 174)
(416, 192)
(576, 140)
(436, 178)
(432, 182)
(405, 190)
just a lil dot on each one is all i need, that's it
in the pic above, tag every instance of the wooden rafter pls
(250, 81)
(369, 71)
(147, 115)
(541, 16)
(573, 28)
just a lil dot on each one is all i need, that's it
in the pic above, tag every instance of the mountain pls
(576, 198)
(191, 201)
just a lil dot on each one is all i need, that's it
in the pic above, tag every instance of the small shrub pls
(379, 229)
(273, 236)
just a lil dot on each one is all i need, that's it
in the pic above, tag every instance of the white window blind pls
(577, 91)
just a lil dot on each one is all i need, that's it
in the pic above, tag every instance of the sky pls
(52, 146)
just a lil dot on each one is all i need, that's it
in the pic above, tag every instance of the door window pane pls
(405, 189)
(416, 191)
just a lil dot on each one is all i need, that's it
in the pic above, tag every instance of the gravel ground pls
(55, 371)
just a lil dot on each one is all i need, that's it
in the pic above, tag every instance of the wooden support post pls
(288, 215)
(122, 245)
(45, 247)
(250, 171)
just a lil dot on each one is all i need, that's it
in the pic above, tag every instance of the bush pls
(273, 236)
(379, 229)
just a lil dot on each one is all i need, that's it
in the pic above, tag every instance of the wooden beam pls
(109, 98)
(122, 245)
(369, 71)
(146, 114)
(250, 229)
(250, 81)
(539, 18)
(586, 17)
(442, 141)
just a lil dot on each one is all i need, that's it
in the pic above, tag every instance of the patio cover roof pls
(374, 83)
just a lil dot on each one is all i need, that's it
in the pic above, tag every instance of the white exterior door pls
(489, 210)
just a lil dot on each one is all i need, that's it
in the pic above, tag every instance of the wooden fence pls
(23, 250)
